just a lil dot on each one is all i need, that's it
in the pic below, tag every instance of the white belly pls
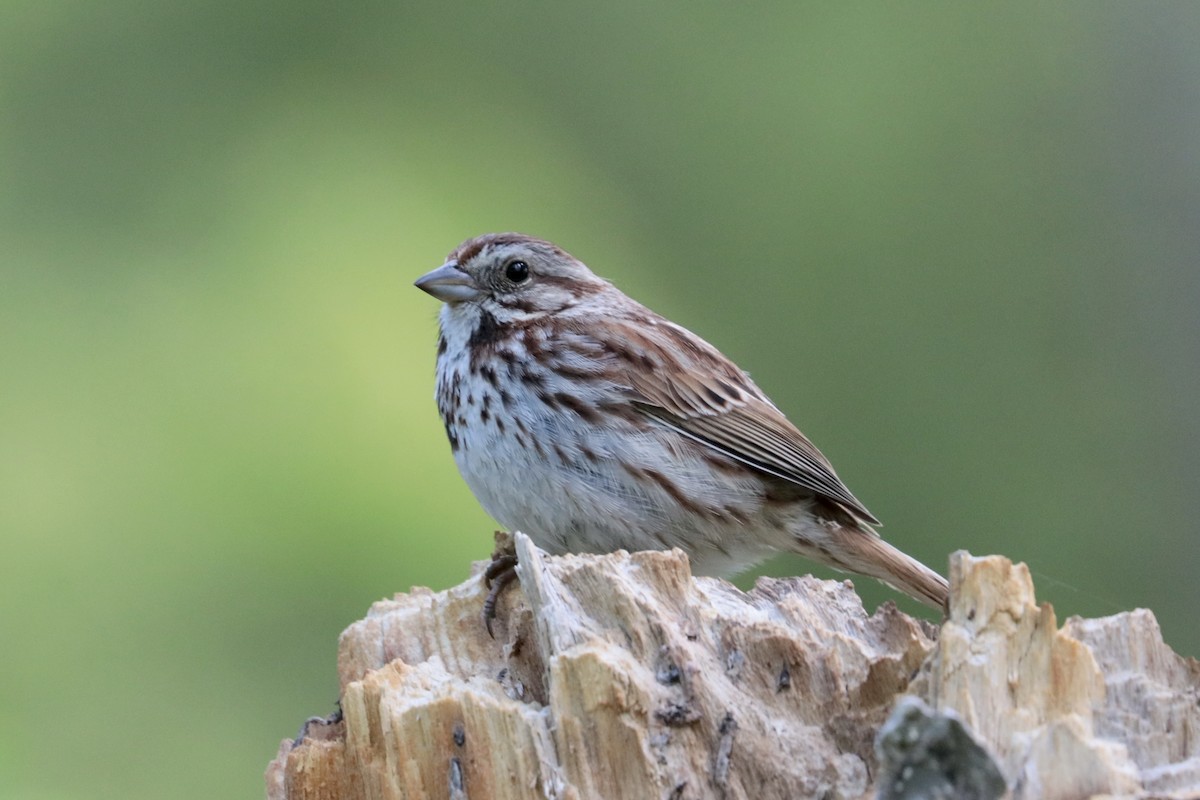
(575, 486)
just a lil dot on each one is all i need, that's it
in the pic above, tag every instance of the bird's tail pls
(867, 554)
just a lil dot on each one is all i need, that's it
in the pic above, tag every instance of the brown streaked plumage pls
(592, 423)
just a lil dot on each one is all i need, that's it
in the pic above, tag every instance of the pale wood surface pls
(622, 676)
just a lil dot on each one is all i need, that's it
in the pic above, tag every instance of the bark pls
(622, 676)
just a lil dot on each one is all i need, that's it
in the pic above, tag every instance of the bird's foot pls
(497, 577)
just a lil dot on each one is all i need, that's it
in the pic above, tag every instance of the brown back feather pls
(703, 395)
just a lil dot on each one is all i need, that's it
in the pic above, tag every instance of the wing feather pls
(701, 394)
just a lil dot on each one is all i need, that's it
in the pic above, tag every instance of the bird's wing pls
(701, 394)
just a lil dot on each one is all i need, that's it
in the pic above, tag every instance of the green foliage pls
(955, 243)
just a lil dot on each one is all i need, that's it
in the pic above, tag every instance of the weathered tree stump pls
(622, 676)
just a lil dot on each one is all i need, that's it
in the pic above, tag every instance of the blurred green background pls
(956, 243)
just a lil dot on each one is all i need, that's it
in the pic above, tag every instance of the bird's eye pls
(517, 271)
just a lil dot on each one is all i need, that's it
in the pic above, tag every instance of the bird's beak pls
(449, 283)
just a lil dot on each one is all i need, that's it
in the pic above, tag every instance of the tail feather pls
(868, 554)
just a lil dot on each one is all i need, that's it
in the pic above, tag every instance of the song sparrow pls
(590, 423)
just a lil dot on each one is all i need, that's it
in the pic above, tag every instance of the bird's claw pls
(498, 575)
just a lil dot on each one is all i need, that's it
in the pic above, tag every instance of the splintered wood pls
(622, 676)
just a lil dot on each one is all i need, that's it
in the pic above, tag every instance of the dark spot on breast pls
(486, 334)
(484, 414)
(500, 424)
(505, 399)
(533, 378)
(668, 486)
(589, 453)
(489, 375)
(676, 493)
(585, 411)
(449, 391)
(533, 345)
(548, 399)
(629, 413)
(441, 345)
(574, 372)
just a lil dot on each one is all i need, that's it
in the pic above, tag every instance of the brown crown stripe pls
(473, 247)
